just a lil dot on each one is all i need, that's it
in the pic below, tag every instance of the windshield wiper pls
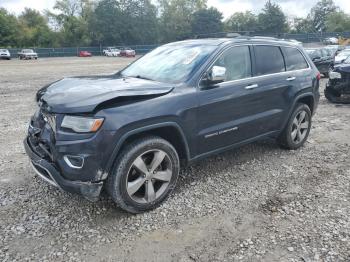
(142, 77)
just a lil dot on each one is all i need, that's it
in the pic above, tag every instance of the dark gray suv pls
(187, 100)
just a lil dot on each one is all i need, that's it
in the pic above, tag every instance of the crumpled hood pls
(84, 94)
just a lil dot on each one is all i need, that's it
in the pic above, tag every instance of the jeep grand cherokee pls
(127, 132)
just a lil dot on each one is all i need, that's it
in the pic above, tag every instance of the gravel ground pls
(258, 202)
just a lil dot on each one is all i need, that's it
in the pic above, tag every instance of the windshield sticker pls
(191, 57)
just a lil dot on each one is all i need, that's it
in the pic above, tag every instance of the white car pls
(110, 51)
(342, 56)
(27, 54)
(332, 40)
(5, 54)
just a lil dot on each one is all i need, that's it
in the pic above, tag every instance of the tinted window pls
(236, 60)
(294, 59)
(269, 60)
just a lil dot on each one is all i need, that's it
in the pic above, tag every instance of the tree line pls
(125, 22)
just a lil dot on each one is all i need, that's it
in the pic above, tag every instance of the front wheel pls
(298, 128)
(144, 174)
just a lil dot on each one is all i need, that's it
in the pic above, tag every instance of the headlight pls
(334, 75)
(82, 124)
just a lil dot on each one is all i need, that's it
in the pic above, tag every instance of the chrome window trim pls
(255, 77)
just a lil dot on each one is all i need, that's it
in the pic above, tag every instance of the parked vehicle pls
(111, 51)
(84, 54)
(322, 59)
(5, 54)
(127, 52)
(339, 83)
(335, 49)
(331, 40)
(342, 56)
(185, 101)
(27, 54)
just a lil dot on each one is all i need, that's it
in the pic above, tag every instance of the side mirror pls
(217, 74)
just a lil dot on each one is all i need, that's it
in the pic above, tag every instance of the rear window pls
(269, 60)
(294, 59)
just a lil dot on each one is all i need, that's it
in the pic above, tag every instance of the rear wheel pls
(144, 174)
(298, 128)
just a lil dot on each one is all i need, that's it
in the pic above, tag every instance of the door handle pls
(251, 86)
(291, 78)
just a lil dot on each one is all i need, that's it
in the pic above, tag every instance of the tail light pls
(318, 76)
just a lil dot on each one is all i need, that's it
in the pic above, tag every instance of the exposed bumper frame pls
(51, 175)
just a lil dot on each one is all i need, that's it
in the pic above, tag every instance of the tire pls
(136, 191)
(298, 128)
(331, 94)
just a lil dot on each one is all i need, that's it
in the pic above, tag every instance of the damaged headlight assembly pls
(334, 75)
(82, 124)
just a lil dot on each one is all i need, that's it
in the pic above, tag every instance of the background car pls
(5, 54)
(111, 51)
(322, 59)
(339, 82)
(335, 49)
(84, 54)
(331, 40)
(27, 54)
(342, 56)
(127, 52)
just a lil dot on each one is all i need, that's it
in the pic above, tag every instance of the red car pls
(127, 52)
(84, 54)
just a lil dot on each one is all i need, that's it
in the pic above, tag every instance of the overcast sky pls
(292, 8)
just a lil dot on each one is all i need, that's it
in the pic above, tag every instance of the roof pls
(240, 39)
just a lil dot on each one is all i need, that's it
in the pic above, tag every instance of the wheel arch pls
(169, 131)
(305, 98)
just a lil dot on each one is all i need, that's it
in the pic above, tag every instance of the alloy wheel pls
(300, 127)
(149, 176)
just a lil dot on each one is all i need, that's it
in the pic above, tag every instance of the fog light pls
(76, 162)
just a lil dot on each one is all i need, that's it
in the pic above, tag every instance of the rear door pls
(242, 107)
(276, 86)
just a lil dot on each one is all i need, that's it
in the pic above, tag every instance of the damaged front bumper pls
(47, 171)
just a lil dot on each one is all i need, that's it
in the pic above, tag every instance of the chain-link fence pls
(143, 49)
(74, 51)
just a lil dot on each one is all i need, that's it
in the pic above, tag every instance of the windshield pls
(169, 63)
(347, 61)
(27, 51)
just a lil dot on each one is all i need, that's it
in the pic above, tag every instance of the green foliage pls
(302, 25)
(272, 19)
(206, 21)
(127, 22)
(34, 29)
(72, 20)
(337, 22)
(320, 12)
(240, 21)
(8, 29)
(176, 17)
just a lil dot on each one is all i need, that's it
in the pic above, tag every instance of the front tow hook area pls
(47, 171)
